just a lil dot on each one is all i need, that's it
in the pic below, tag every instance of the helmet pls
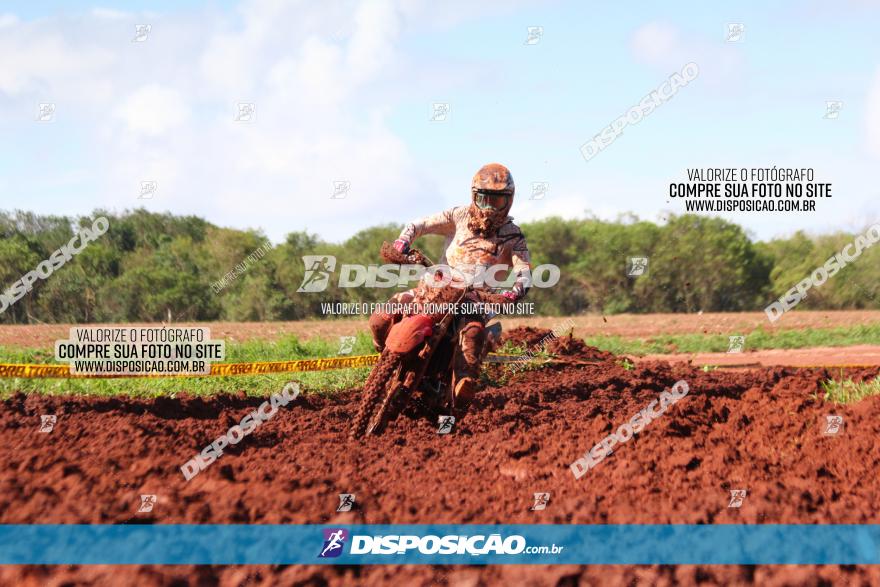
(492, 188)
(492, 192)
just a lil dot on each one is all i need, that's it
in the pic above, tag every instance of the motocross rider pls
(479, 235)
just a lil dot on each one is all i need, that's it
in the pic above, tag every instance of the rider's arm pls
(440, 223)
(521, 265)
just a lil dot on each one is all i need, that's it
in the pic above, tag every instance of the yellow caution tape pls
(31, 371)
(261, 368)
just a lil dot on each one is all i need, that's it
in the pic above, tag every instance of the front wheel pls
(379, 383)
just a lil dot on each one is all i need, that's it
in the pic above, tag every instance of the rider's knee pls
(380, 321)
(474, 331)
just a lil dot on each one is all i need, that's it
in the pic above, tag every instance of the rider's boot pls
(472, 337)
(465, 390)
(493, 339)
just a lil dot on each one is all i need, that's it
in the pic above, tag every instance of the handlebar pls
(416, 257)
(488, 297)
(413, 257)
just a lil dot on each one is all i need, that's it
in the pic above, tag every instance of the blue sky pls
(344, 91)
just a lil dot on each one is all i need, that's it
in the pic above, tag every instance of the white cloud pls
(7, 20)
(665, 48)
(325, 78)
(38, 57)
(110, 14)
(656, 43)
(162, 109)
(153, 110)
(872, 116)
(376, 27)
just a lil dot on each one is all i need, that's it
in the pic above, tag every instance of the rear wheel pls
(382, 380)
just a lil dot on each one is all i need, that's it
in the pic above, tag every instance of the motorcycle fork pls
(428, 351)
(425, 354)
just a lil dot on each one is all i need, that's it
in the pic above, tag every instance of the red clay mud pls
(761, 430)
(538, 339)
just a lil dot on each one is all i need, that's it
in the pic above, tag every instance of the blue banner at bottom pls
(175, 544)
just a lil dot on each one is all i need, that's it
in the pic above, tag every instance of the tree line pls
(161, 267)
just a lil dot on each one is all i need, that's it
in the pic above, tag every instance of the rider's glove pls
(511, 295)
(401, 246)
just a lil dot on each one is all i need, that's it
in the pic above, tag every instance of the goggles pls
(496, 201)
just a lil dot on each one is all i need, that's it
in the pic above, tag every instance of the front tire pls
(375, 390)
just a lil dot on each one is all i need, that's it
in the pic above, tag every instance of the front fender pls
(409, 333)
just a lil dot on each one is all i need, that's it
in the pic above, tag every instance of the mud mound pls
(760, 430)
(525, 336)
(569, 346)
(562, 346)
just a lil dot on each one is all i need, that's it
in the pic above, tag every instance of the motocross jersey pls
(466, 251)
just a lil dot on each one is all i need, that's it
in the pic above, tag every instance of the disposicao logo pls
(317, 275)
(320, 268)
(334, 540)
(431, 545)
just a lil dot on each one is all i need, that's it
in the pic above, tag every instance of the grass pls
(530, 363)
(756, 340)
(291, 348)
(626, 364)
(848, 391)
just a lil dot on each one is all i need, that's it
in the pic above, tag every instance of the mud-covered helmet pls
(491, 199)
(492, 188)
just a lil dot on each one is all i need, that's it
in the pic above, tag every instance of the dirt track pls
(855, 355)
(625, 325)
(760, 430)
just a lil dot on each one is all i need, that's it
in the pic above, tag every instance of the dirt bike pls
(419, 355)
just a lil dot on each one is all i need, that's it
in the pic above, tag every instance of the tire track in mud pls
(760, 430)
